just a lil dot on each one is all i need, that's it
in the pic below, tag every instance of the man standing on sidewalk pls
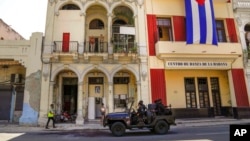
(51, 116)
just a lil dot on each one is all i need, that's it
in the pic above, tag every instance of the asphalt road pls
(202, 133)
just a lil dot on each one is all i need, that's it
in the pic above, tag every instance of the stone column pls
(81, 45)
(110, 47)
(79, 119)
(110, 98)
(51, 88)
(139, 96)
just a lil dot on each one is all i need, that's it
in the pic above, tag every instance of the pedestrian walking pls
(51, 115)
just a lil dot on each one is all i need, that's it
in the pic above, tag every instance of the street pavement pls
(6, 127)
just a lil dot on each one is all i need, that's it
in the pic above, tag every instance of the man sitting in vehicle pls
(141, 109)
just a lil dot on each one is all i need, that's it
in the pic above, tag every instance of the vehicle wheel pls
(118, 129)
(161, 127)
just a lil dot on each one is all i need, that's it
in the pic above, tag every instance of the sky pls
(24, 16)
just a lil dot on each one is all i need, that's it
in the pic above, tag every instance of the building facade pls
(94, 52)
(241, 11)
(12, 55)
(198, 80)
(114, 51)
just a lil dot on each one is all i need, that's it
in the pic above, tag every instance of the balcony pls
(181, 51)
(101, 47)
(74, 50)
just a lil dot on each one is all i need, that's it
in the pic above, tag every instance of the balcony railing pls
(60, 46)
(121, 47)
(99, 47)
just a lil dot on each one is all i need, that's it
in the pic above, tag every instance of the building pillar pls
(232, 94)
(51, 88)
(111, 98)
(81, 45)
(79, 119)
(138, 85)
(110, 48)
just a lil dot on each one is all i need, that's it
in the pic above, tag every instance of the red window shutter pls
(240, 88)
(231, 30)
(152, 33)
(158, 87)
(65, 43)
(179, 28)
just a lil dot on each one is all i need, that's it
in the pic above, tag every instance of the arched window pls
(96, 24)
(119, 22)
(70, 7)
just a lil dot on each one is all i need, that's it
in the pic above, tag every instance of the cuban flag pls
(200, 22)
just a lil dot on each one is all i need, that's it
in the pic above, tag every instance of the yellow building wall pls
(175, 88)
(222, 9)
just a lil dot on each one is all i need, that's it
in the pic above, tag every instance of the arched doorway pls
(66, 93)
(96, 89)
(125, 88)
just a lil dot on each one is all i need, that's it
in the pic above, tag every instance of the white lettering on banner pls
(197, 64)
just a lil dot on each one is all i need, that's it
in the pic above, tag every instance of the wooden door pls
(65, 43)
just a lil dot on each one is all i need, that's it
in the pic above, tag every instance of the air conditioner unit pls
(16, 78)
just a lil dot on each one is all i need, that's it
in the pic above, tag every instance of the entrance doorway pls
(216, 96)
(96, 94)
(69, 95)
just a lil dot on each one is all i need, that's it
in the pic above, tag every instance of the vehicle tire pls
(161, 127)
(118, 129)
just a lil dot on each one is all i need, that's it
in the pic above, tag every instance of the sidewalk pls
(9, 127)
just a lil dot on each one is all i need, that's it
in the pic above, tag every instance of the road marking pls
(9, 136)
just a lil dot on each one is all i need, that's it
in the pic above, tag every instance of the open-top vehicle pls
(155, 121)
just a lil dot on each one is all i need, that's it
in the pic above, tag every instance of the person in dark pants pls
(51, 114)
(141, 109)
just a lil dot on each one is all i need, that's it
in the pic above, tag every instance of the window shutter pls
(158, 87)
(231, 30)
(65, 43)
(152, 33)
(179, 28)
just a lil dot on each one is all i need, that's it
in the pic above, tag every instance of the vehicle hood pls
(117, 114)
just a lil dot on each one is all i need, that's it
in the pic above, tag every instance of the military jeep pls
(118, 122)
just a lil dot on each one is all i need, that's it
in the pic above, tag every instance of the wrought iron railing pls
(61, 46)
(121, 47)
(99, 47)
